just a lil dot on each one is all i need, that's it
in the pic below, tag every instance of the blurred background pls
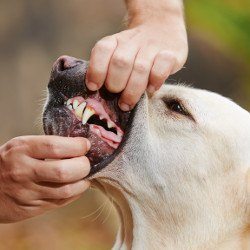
(34, 33)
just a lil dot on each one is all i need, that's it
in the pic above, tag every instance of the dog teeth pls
(75, 104)
(110, 124)
(68, 103)
(88, 112)
(79, 110)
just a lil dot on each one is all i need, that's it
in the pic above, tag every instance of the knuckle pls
(17, 175)
(120, 61)
(16, 143)
(61, 174)
(19, 195)
(104, 45)
(11, 158)
(4, 158)
(141, 67)
(36, 172)
(53, 148)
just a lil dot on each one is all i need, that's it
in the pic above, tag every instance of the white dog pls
(181, 181)
(181, 177)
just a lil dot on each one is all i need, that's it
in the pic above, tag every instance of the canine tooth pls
(79, 110)
(70, 107)
(75, 104)
(101, 117)
(88, 112)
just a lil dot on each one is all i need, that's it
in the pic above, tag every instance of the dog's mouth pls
(72, 110)
(95, 114)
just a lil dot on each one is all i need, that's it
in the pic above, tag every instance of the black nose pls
(68, 75)
(66, 62)
(67, 65)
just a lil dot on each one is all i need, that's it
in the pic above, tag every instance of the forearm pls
(140, 11)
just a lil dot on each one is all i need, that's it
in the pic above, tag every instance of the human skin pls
(31, 185)
(153, 46)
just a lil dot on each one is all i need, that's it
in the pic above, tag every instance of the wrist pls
(141, 12)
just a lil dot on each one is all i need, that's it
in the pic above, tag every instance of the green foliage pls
(227, 21)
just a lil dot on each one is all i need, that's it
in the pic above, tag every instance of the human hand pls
(30, 186)
(138, 58)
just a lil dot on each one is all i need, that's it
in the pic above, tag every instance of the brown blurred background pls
(34, 33)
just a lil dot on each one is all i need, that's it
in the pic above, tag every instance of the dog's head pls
(182, 156)
(179, 128)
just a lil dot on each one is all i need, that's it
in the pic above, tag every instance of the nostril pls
(66, 62)
(61, 66)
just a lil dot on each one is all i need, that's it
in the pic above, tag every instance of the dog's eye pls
(176, 106)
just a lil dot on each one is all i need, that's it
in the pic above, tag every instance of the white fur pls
(179, 183)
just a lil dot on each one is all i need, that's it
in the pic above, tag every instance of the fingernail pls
(124, 106)
(92, 86)
(151, 89)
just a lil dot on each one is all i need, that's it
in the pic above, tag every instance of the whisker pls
(89, 215)
(99, 214)
(110, 209)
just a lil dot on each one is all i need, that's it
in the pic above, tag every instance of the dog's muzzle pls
(73, 110)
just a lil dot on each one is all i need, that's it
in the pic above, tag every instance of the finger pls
(120, 67)
(99, 62)
(56, 147)
(163, 65)
(62, 171)
(64, 202)
(55, 194)
(138, 80)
